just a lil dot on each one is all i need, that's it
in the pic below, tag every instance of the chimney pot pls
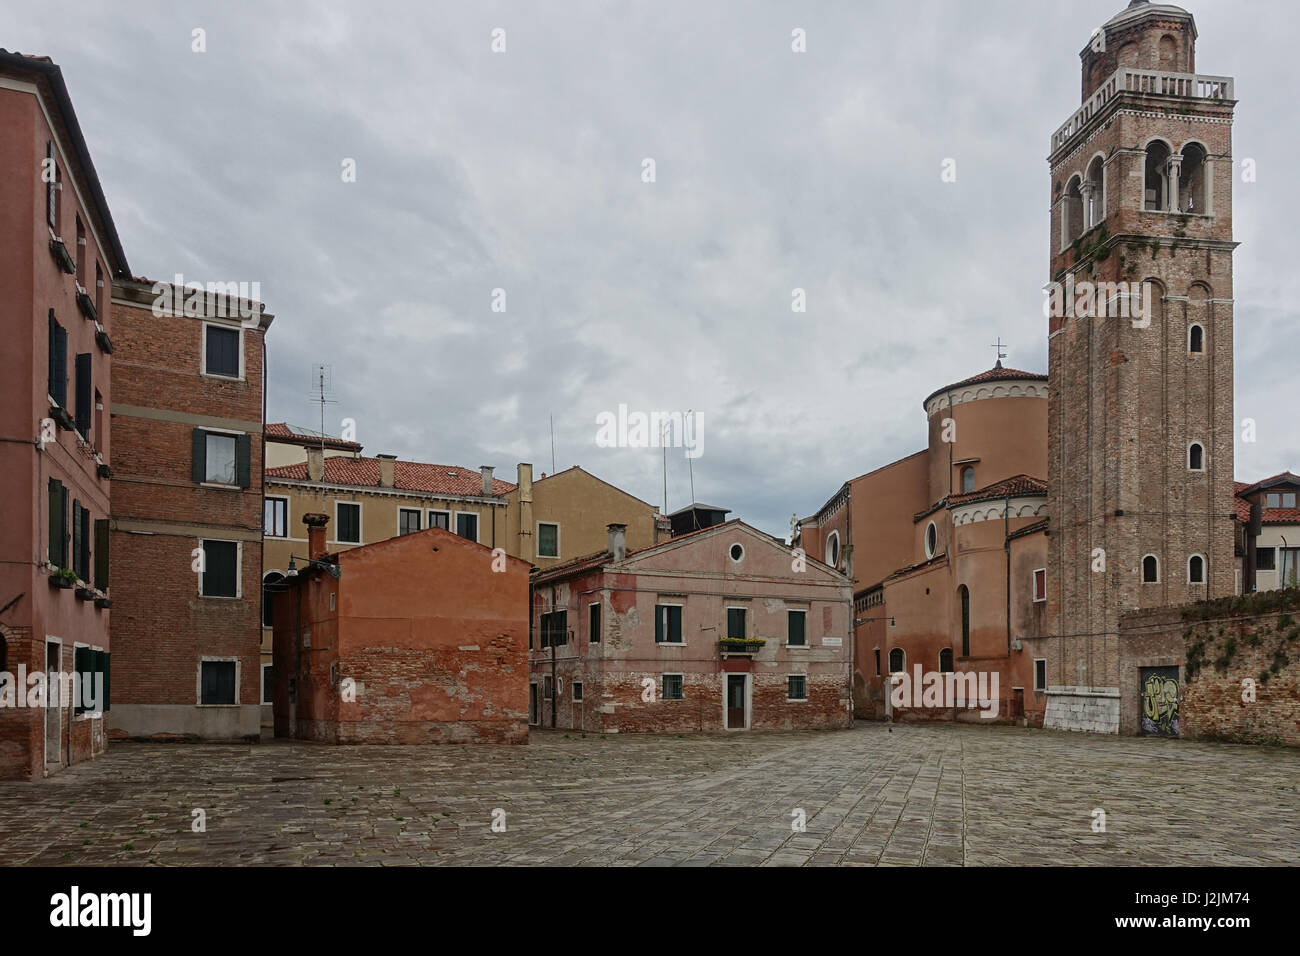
(315, 534)
(617, 541)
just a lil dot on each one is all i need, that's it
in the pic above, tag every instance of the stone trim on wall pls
(982, 390)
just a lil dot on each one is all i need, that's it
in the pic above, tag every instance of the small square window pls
(1265, 559)
(798, 687)
(548, 540)
(221, 351)
(217, 682)
(1288, 499)
(408, 520)
(219, 462)
(668, 624)
(440, 519)
(672, 687)
(577, 690)
(467, 525)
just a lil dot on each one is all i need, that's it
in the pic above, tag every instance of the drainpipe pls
(1006, 527)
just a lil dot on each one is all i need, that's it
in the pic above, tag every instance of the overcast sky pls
(522, 171)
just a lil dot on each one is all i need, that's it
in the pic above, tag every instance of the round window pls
(737, 552)
(931, 540)
(833, 549)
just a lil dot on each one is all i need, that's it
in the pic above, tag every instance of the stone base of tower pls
(1091, 709)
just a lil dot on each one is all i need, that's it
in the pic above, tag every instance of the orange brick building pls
(187, 514)
(59, 258)
(417, 639)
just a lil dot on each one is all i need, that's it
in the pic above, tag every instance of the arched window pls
(945, 661)
(1156, 183)
(270, 588)
(1192, 195)
(931, 540)
(1196, 339)
(1095, 194)
(833, 549)
(1150, 569)
(964, 595)
(1073, 210)
(897, 661)
(1196, 569)
(1196, 456)
(1168, 50)
(967, 479)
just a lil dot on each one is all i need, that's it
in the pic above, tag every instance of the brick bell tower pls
(1140, 417)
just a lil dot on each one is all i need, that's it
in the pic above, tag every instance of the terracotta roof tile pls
(293, 434)
(996, 374)
(449, 480)
(1017, 486)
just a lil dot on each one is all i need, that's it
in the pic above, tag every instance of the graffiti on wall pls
(1159, 701)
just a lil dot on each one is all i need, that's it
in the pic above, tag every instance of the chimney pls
(387, 465)
(486, 471)
(617, 541)
(315, 464)
(315, 534)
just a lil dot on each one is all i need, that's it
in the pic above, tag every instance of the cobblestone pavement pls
(921, 794)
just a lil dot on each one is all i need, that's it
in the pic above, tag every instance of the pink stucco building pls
(725, 629)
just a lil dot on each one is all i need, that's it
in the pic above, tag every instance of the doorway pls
(53, 706)
(533, 716)
(737, 702)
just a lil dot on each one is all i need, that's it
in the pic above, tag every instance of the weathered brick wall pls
(1225, 650)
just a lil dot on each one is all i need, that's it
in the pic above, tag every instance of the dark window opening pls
(668, 624)
(217, 682)
(467, 526)
(348, 530)
(796, 621)
(222, 351)
(593, 623)
(736, 622)
(897, 660)
(964, 593)
(1150, 569)
(220, 568)
(797, 687)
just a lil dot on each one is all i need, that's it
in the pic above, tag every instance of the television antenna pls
(322, 385)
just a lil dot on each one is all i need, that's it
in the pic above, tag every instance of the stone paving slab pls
(913, 794)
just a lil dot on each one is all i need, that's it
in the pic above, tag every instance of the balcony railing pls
(1152, 82)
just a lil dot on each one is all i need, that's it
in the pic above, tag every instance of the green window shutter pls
(56, 529)
(661, 613)
(83, 552)
(101, 553)
(200, 469)
(83, 662)
(83, 394)
(58, 362)
(76, 536)
(63, 526)
(797, 620)
(107, 661)
(243, 448)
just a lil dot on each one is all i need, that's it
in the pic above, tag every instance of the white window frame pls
(576, 694)
(239, 575)
(266, 498)
(930, 552)
(731, 557)
(198, 679)
(78, 687)
(206, 483)
(548, 682)
(804, 612)
(418, 511)
(1034, 585)
(558, 547)
(658, 605)
(478, 525)
(440, 511)
(1039, 689)
(682, 675)
(796, 700)
(835, 537)
(203, 351)
(1205, 568)
(361, 532)
(262, 692)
